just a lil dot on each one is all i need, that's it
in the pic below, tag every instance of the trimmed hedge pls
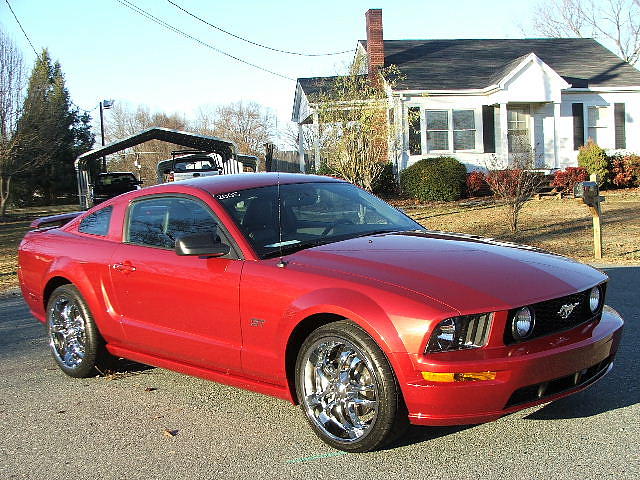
(440, 179)
(626, 170)
(595, 160)
(615, 168)
(477, 185)
(568, 178)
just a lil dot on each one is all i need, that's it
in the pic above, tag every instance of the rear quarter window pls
(97, 223)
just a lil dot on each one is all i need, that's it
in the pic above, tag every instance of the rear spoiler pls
(54, 220)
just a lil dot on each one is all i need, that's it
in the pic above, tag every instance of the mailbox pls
(588, 192)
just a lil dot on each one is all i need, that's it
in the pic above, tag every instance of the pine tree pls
(58, 133)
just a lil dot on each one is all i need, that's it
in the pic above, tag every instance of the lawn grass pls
(562, 226)
(558, 225)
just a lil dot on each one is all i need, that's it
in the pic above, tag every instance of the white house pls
(474, 99)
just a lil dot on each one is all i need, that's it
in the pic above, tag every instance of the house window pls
(598, 118)
(464, 130)
(451, 127)
(518, 129)
(415, 143)
(437, 130)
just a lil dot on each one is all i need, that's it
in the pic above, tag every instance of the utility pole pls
(104, 104)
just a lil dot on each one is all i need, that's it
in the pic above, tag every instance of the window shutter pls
(488, 129)
(415, 146)
(619, 114)
(577, 110)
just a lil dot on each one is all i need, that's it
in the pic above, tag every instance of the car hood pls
(467, 273)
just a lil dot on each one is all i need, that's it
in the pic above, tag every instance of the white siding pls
(541, 117)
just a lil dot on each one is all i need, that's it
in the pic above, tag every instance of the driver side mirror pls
(201, 244)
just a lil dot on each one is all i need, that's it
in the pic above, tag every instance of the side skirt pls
(216, 376)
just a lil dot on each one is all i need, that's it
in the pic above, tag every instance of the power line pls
(164, 24)
(20, 25)
(255, 43)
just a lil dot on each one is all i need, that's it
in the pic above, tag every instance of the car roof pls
(228, 183)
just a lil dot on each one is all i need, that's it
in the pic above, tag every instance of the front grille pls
(549, 318)
(540, 391)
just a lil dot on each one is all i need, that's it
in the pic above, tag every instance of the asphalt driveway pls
(153, 423)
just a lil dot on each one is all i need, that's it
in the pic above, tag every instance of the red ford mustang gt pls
(310, 289)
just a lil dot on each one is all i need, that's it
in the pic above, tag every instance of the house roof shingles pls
(315, 85)
(476, 64)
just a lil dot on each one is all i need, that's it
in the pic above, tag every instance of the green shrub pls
(595, 160)
(442, 178)
(385, 184)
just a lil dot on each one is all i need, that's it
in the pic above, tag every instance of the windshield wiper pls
(295, 247)
(375, 232)
(287, 249)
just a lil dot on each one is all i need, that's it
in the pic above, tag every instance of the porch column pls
(504, 131)
(316, 140)
(556, 125)
(301, 148)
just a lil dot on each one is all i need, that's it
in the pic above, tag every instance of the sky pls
(108, 51)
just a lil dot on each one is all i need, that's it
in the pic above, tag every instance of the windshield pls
(309, 214)
(191, 164)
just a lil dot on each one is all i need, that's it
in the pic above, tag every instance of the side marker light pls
(458, 377)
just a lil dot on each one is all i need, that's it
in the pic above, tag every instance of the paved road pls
(52, 426)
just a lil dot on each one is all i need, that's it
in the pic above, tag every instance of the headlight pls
(457, 333)
(595, 296)
(522, 323)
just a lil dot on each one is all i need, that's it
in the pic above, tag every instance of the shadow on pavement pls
(416, 434)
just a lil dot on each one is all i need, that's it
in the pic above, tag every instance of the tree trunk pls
(5, 184)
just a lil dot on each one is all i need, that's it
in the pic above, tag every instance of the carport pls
(88, 164)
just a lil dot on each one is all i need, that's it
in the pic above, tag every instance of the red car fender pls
(97, 300)
(341, 302)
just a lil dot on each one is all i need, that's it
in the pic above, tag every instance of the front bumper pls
(528, 374)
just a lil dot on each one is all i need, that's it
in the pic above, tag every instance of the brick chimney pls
(375, 42)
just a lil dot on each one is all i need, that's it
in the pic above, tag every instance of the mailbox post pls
(589, 194)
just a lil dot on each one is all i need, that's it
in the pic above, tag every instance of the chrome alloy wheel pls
(340, 390)
(67, 335)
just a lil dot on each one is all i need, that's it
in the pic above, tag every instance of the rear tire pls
(74, 340)
(347, 389)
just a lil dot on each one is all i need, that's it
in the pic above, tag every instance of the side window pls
(160, 221)
(97, 223)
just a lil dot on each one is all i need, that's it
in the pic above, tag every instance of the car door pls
(183, 308)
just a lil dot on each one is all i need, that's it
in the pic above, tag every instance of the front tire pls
(74, 340)
(347, 389)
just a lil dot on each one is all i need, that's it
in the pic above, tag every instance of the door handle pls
(125, 267)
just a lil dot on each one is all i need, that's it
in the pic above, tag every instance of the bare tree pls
(124, 121)
(353, 119)
(515, 183)
(249, 125)
(12, 84)
(310, 137)
(614, 22)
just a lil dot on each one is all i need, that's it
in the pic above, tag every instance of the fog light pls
(522, 323)
(594, 299)
(458, 377)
